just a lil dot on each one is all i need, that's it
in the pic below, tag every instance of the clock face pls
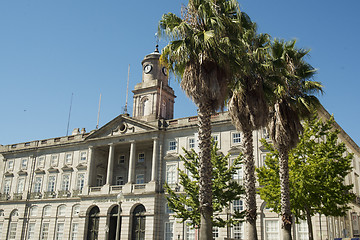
(147, 68)
(164, 70)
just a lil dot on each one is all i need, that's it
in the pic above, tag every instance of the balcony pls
(4, 196)
(77, 192)
(18, 196)
(64, 194)
(35, 195)
(49, 194)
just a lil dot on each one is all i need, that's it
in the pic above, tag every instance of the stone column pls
(110, 164)
(132, 162)
(154, 160)
(90, 167)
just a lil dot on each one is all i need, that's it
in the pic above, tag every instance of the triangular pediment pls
(121, 125)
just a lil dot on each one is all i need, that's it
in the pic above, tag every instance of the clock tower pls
(153, 97)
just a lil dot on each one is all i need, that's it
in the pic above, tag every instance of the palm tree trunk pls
(205, 171)
(285, 192)
(250, 180)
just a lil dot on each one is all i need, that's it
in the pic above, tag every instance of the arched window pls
(145, 108)
(12, 230)
(61, 210)
(93, 224)
(46, 211)
(1, 213)
(163, 109)
(33, 211)
(76, 210)
(138, 223)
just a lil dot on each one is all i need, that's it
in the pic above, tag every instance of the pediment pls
(121, 125)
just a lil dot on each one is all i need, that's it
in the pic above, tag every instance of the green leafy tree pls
(318, 166)
(225, 190)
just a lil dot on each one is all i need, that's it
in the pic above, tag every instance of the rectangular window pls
(31, 231)
(191, 143)
(44, 231)
(236, 138)
(41, 162)
(24, 162)
(65, 185)
(83, 156)
(215, 232)
(51, 183)
(272, 229)
(238, 205)
(37, 185)
(140, 179)
(168, 210)
(216, 139)
(172, 145)
(119, 180)
(141, 157)
(169, 228)
(74, 231)
(12, 230)
(190, 233)
(54, 160)
(238, 232)
(302, 230)
(59, 231)
(7, 185)
(121, 159)
(99, 180)
(10, 165)
(20, 185)
(68, 158)
(171, 173)
(265, 134)
(239, 174)
(80, 181)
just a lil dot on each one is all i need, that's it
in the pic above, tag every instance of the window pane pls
(31, 231)
(44, 231)
(12, 231)
(59, 231)
(169, 226)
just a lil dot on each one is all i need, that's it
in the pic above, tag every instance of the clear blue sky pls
(51, 49)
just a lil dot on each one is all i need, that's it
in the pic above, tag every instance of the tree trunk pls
(309, 223)
(249, 183)
(285, 192)
(205, 171)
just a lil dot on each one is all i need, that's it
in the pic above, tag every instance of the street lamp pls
(120, 199)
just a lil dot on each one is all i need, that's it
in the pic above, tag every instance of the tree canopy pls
(185, 204)
(318, 166)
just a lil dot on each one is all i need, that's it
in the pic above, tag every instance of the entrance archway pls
(93, 224)
(138, 223)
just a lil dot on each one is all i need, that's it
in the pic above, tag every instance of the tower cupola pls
(153, 97)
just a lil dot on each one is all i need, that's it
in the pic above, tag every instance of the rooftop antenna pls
(98, 116)
(67, 129)
(127, 91)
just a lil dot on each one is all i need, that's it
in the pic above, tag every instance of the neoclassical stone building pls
(68, 187)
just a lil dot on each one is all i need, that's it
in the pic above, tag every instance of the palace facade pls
(108, 183)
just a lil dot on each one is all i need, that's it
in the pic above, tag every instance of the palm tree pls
(248, 108)
(293, 101)
(200, 55)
